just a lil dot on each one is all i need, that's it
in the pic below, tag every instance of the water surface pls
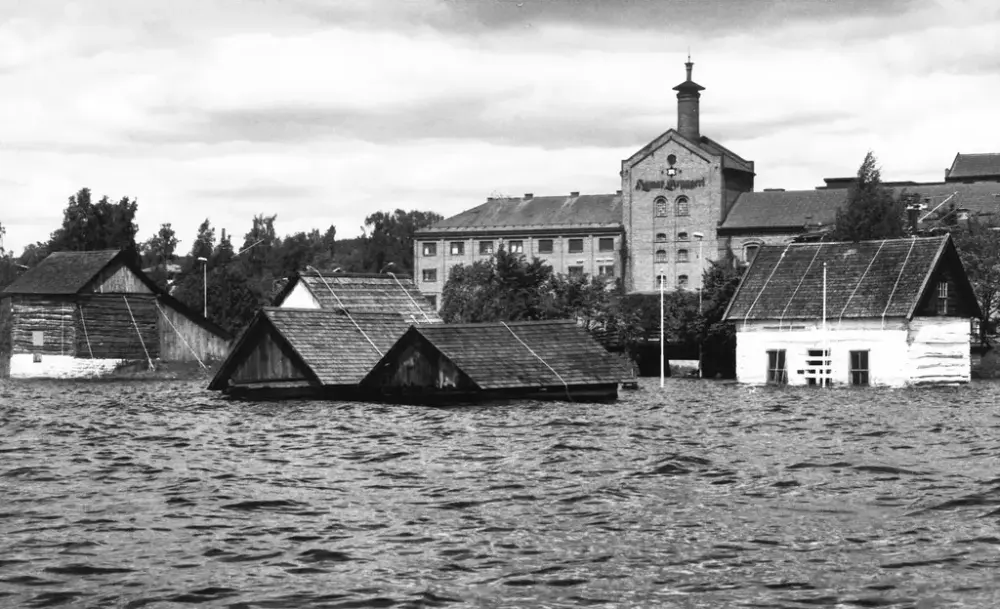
(160, 494)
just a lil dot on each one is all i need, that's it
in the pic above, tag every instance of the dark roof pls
(495, 356)
(870, 279)
(62, 272)
(794, 209)
(730, 160)
(328, 343)
(366, 293)
(974, 166)
(598, 211)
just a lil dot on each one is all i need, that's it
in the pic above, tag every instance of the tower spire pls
(688, 94)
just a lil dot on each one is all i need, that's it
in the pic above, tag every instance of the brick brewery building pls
(685, 199)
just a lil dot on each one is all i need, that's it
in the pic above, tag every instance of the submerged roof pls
(339, 349)
(366, 293)
(596, 211)
(524, 354)
(794, 209)
(869, 279)
(974, 166)
(62, 272)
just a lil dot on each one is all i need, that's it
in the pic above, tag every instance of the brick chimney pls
(688, 94)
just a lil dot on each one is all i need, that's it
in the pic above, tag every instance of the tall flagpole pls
(662, 358)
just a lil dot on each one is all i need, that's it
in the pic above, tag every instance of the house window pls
(682, 281)
(576, 246)
(682, 255)
(661, 206)
(682, 206)
(432, 300)
(606, 244)
(859, 368)
(37, 338)
(682, 236)
(661, 255)
(516, 247)
(661, 236)
(750, 252)
(430, 249)
(776, 373)
(606, 270)
(485, 248)
(575, 271)
(545, 246)
(817, 370)
(942, 301)
(457, 248)
(430, 275)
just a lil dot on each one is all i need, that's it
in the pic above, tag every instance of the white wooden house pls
(893, 312)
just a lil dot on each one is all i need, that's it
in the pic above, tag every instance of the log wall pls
(939, 350)
(106, 330)
(52, 316)
(179, 336)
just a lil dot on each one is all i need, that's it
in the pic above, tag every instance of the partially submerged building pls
(287, 352)
(357, 293)
(540, 359)
(80, 314)
(893, 312)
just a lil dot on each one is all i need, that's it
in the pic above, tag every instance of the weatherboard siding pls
(900, 353)
(117, 280)
(181, 338)
(267, 361)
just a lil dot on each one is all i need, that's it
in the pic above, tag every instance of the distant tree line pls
(239, 279)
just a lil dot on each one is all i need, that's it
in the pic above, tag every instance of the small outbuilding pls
(81, 314)
(323, 353)
(893, 312)
(357, 293)
(437, 363)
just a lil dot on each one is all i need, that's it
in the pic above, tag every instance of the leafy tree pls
(158, 251)
(979, 247)
(389, 238)
(203, 244)
(94, 226)
(9, 268)
(258, 244)
(871, 211)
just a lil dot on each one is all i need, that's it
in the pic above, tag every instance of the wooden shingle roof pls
(330, 343)
(870, 279)
(555, 212)
(62, 272)
(524, 354)
(367, 293)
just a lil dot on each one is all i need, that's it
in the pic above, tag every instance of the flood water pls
(160, 494)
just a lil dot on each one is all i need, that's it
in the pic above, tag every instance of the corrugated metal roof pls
(599, 211)
(498, 357)
(62, 273)
(330, 343)
(868, 279)
(975, 166)
(794, 209)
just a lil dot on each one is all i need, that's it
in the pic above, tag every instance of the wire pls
(895, 285)
(863, 275)
(530, 350)
(136, 326)
(405, 291)
(348, 313)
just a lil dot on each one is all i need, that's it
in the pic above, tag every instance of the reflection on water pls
(702, 495)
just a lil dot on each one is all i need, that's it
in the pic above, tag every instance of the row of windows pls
(818, 367)
(682, 206)
(682, 281)
(661, 255)
(663, 236)
(516, 246)
(603, 270)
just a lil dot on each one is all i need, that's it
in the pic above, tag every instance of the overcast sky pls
(323, 111)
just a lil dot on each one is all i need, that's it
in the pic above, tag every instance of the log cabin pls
(441, 363)
(83, 314)
(320, 353)
(892, 312)
(358, 293)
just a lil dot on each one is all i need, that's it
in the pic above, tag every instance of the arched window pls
(750, 252)
(682, 206)
(661, 255)
(682, 255)
(682, 236)
(682, 281)
(661, 206)
(661, 236)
